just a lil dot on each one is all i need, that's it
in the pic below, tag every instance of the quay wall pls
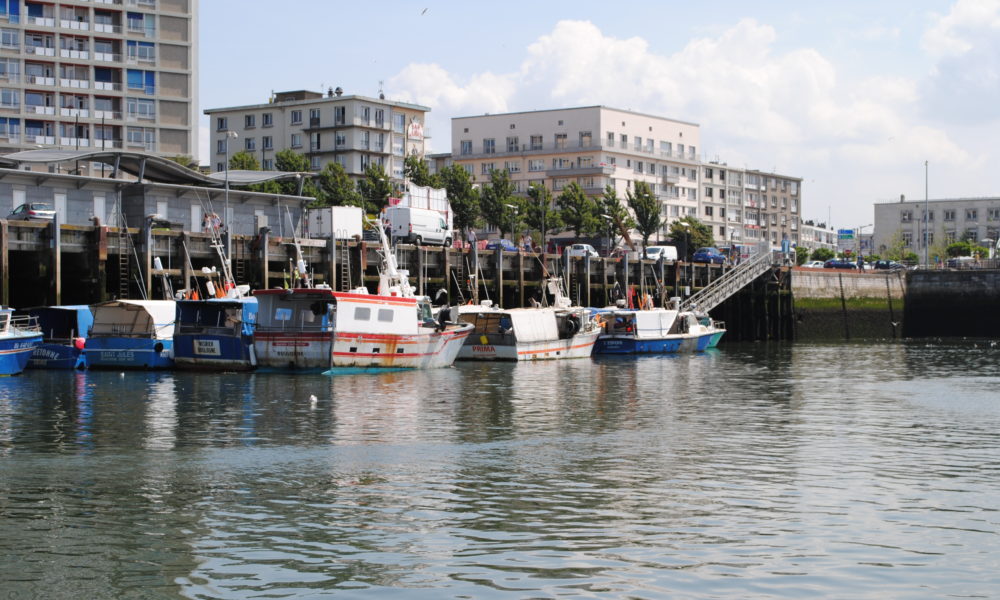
(832, 304)
(953, 303)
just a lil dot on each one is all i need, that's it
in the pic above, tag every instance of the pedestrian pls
(471, 238)
(861, 262)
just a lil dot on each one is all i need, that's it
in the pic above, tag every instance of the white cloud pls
(957, 32)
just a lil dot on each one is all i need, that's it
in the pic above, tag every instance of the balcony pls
(39, 80)
(108, 114)
(74, 142)
(32, 138)
(113, 86)
(43, 21)
(74, 112)
(107, 28)
(74, 53)
(74, 83)
(107, 144)
(575, 171)
(40, 50)
(38, 109)
(671, 179)
(107, 57)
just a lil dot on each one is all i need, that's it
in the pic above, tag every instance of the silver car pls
(32, 211)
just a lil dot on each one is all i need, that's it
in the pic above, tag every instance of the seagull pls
(423, 12)
(312, 401)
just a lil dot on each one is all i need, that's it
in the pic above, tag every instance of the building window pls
(489, 146)
(708, 192)
(512, 166)
(140, 108)
(267, 120)
(220, 146)
(560, 140)
(144, 81)
(339, 140)
(466, 147)
(267, 142)
(993, 214)
(339, 115)
(380, 117)
(905, 216)
(536, 142)
(947, 215)
(296, 140)
(512, 145)
(249, 121)
(971, 214)
(611, 139)
(268, 164)
(221, 124)
(250, 144)
(536, 164)
(313, 117)
(708, 209)
(398, 123)
(586, 139)
(296, 117)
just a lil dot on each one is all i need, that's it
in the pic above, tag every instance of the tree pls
(243, 161)
(695, 235)
(375, 188)
(290, 161)
(823, 254)
(646, 209)
(540, 214)
(500, 207)
(801, 255)
(464, 198)
(896, 247)
(608, 204)
(416, 171)
(578, 211)
(337, 188)
(185, 161)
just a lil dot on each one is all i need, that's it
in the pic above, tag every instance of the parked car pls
(664, 252)
(839, 263)
(32, 211)
(621, 252)
(814, 264)
(708, 255)
(504, 243)
(961, 262)
(582, 250)
(890, 265)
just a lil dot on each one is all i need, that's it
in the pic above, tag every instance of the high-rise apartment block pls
(746, 207)
(355, 131)
(99, 74)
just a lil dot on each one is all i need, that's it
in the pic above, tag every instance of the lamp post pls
(927, 232)
(225, 223)
(609, 220)
(513, 225)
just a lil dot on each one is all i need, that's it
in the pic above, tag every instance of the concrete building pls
(747, 206)
(817, 235)
(115, 74)
(355, 131)
(593, 146)
(948, 220)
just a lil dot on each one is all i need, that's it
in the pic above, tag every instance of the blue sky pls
(851, 96)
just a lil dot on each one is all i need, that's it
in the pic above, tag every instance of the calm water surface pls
(781, 471)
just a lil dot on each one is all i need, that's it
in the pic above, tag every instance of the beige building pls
(593, 146)
(355, 131)
(746, 206)
(947, 221)
(108, 74)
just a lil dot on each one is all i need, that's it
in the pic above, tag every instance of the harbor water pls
(754, 471)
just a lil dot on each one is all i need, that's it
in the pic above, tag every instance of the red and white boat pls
(317, 329)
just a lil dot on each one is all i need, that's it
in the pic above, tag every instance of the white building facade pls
(81, 74)
(355, 131)
(942, 221)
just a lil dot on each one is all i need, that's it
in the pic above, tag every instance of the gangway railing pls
(733, 281)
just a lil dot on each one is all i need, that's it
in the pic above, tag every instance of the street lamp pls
(229, 135)
(687, 253)
(609, 220)
(513, 225)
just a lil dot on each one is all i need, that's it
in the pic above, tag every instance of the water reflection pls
(788, 470)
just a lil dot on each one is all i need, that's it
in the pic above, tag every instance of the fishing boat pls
(19, 335)
(314, 328)
(655, 331)
(215, 334)
(63, 336)
(537, 333)
(131, 334)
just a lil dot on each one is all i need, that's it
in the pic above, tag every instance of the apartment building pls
(746, 206)
(947, 220)
(593, 146)
(355, 131)
(99, 74)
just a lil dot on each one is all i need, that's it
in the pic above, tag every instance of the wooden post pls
(421, 257)
(101, 235)
(147, 257)
(265, 243)
(586, 279)
(55, 260)
(520, 276)
(186, 261)
(446, 271)
(331, 262)
(474, 278)
(499, 275)
(4, 264)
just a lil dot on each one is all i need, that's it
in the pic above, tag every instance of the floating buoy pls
(79, 343)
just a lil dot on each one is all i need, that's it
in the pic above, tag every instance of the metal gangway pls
(733, 281)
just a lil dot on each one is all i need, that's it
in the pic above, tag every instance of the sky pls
(865, 101)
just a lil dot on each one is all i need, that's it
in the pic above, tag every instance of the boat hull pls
(113, 352)
(15, 352)
(672, 344)
(208, 352)
(578, 346)
(57, 356)
(328, 350)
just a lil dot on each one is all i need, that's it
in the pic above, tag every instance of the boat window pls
(385, 315)
(283, 314)
(362, 313)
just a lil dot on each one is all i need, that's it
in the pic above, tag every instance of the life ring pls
(572, 325)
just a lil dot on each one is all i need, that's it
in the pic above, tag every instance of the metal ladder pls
(239, 263)
(733, 281)
(458, 272)
(124, 276)
(345, 266)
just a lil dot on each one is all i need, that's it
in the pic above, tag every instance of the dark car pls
(889, 265)
(837, 263)
(504, 243)
(708, 255)
(33, 211)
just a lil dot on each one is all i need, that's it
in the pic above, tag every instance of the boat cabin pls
(217, 317)
(152, 319)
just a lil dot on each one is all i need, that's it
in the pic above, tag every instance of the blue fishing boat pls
(655, 331)
(63, 335)
(215, 334)
(18, 338)
(131, 334)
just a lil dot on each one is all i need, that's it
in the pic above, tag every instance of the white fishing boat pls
(655, 331)
(536, 333)
(19, 336)
(315, 328)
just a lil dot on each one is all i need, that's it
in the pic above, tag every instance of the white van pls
(418, 225)
(664, 252)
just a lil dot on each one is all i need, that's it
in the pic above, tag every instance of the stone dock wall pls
(834, 304)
